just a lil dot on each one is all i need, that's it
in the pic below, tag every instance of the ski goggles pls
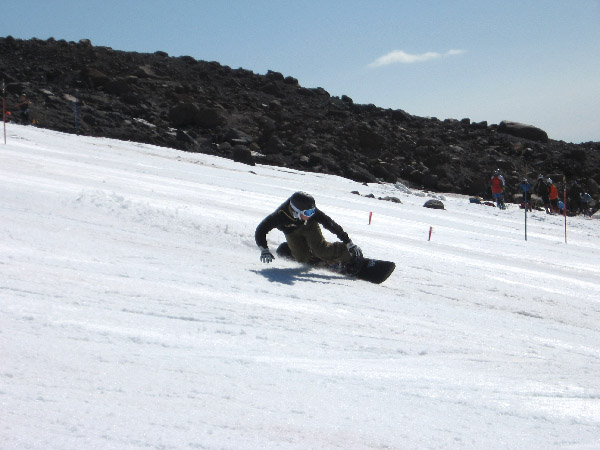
(308, 212)
(305, 213)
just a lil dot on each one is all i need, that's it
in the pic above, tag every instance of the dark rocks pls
(184, 114)
(211, 117)
(243, 154)
(206, 107)
(369, 139)
(94, 77)
(391, 199)
(434, 204)
(117, 86)
(401, 116)
(523, 131)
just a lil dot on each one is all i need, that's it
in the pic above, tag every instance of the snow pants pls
(307, 242)
(499, 197)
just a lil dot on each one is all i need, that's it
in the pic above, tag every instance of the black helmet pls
(302, 203)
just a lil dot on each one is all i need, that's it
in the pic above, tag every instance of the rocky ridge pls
(201, 106)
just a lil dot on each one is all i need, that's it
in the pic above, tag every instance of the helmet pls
(549, 180)
(302, 203)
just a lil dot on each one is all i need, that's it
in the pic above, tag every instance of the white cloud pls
(401, 57)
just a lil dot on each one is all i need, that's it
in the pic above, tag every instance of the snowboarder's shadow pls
(291, 275)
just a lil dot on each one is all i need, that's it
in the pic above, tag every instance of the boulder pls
(391, 199)
(434, 204)
(369, 139)
(242, 154)
(95, 77)
(523, 131)
(211, 117)
(145, 72)
(117, 86)
(183, 114)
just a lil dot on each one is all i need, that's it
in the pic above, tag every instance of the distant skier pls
(587, 204)
(553, 196)
(498, 183)
(298, 218)
(574, 198)
(540, 188)
(23, 107)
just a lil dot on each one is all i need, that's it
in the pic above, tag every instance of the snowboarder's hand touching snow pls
(265, 255)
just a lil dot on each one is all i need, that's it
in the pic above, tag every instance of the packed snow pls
(135, 312)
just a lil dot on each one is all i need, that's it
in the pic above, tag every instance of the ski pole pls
(565, 204)
(4, 109)
(526, 196)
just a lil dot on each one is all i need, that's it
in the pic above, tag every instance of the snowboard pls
(373, 270)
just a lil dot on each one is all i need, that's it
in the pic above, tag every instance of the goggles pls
(308, 212)
(305, 213)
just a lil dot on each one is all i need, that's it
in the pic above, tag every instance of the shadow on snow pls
(291, 275)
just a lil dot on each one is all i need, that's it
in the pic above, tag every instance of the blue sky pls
(536, 62)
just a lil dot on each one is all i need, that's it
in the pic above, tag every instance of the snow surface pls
(135, 312)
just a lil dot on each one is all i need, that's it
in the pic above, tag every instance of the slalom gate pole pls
(430, 231)
(528, 195)
(4, 110)
(370, 217)
(565, 204)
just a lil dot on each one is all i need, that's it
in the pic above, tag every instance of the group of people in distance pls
(578, 201)
(22, 111)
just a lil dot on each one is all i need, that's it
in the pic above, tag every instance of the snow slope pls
(135, 313)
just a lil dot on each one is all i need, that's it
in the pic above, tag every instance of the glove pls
(265, 255)
(354, 250)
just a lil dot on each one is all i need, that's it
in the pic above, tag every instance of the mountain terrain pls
(205, 107)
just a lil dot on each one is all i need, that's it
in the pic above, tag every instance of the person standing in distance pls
(497, 182)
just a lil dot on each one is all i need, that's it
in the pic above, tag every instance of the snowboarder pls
(299, 219)
(497, 182)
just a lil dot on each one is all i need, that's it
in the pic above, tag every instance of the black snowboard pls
(373, 270)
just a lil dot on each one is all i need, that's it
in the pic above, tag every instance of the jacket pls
(525, 187)
(497, 184)
(553, 192)
(541, 188)
(283, 220)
